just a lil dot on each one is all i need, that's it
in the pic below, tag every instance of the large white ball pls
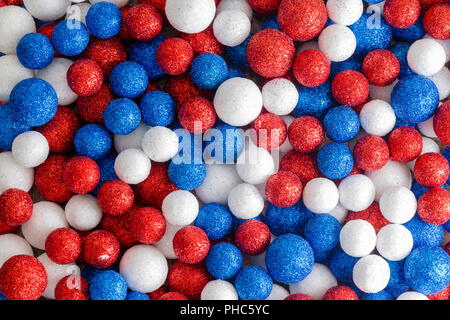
(278, 293)
(11, 73)
(255, 165)
(13, 175)
(394, 242)
(165, 244)
(15, 22)
(245, 201)
(320, 195)
(241, 5)
(345, 12)
(219, 290)
(356, 192)
(316, 283)
(83, 212)
(412, 295)
(426, 57)
(371, 274)
(377, 118)
(12, 245)
(191, 16)
(280, 96)
(358, 238)
(444, 43)
(144, 268)
(238, 101)
(47, 10)
(231, 27)
(132, 140)
(160, 144)
(180, 208)
(132, 166)
(30, 149)
(398, 204)
(119, 3)
(337, 42)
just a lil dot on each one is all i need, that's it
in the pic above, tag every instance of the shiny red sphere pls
(91, 108)
(72, 287)
(299, 296)
(203, 42)
(115, 197)
(118, 226)
(311, 68)
(100, 249)
(188, 279)
(306, 134)
(304, 165)
(381, 67)
(182, 87)
(147, 225)
(434, 206)
(16, 207)
(5, 228)
(441, 123)
(431, 170)
(372, 215)
(405, 144)
(197, 115)
(264, 6)
(191, 244)
(81, 175)
(401, 13)
(340, 293)
(174, 56)
(252, 237)
(143, 22)
(63, 245)
(437, 21)
(85, 77)
(350, 88)
(371, 153)
(270, 130)
(108, 53)
(173, 296)
(48, 179)
(284, 189)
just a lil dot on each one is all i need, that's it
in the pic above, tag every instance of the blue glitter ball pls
(93, 141)
(2, 297)
(144, 53)
(446, 154)
(341, 265)
(187, 176)
(424, 234)
(411, 34)
(234, 72)
(253, 283)
(9, 128)
(224, 261)
(208, 71)
(108, 285)
(122, 116)
(415, 98)
(1, 54)
(400, 50)
(427, 270)
(287, 220)
(373, 1)
(237, 222)
(322, 256)
(371, 32)
(33, 102)
(137, 296)
(341, 124)
(289, 259)
(350, 64)
(70, 37)
(35, 51)
(335, 160)
(238, 55)
(419, 190)
(215, 219)
(225, 143)
(129, 80)
(104, 20)
(107, 172)
(381, 295)
(397, 282)
(401, 123)
(322, 232)
(447, 226)
(314, 101)
(158, 109)
(271, 23)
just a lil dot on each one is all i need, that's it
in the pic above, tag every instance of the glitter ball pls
(93, 141)
(143, 22)
(372, 215)
(16, 207)
(5, 228)
(441, 123)
(340, 293)
(302, 20)
(405, 144)
(253, 283)
(431, 170)
(23, 277)
(252, 237)
(174, 56)
(304, 165)
(311, 68)
(191, 244)
(173, 296)
(434, 206)
(335, 160)
(182, 87)
(72, 287)
(81, 175)
(411, 34)
(108, 285)
(371, 153)
(197, 115)
(122, 116)
(314, 101)
(287, 220)
(401, 13)
(63, 245)
(144, 53)
(9, 128)
(381, 67)
(444, 294)
(155, 295)
(188, 279)
(299, 296)
(118, 226)
(271, 131)
(306, 134)
(35, 51)
(264, 6)
(147, 225)
(100, 249)
(70, 41)
(129, 80)
(104, 20)
(108, 53)
(203, 42)
(91, 108)
(209, 70)
(437, 22)
(341, 124)
(115, 197)
(60, 131)
(49, 181)
(350, 88)
(283, 189)
(270, 53)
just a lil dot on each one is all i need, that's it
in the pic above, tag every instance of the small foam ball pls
(142, 22)
(435, 21)
(337, 42)
(287, 220)
(394, 242)
(187, 176)
(358, 238)
(371, 274)
(16, 207)
(197, 115)
(431, 170)
(381, 67)
(100, 249)
(335, 160)
(93, 141)
(341, 265)
(377, 117)
(49, 179)
(69, 40)
(253, 283)
(174, 56)
(129, 80)
(81, 175)
(132, 166)
(259, 169)
(405, 144)
(240, 27)
(215, 219)
(108, 285)
(122, 116)
(219, 290)
(252, 237)
(131, 140)
(147, 225)
(311, 68)
(108, 53)
(425, 234)
(224, 261)
(104, 20)
(30, 149)
(188, 279)
(426, 57)
(401, 13)
(209, 70)
(440, 123)
(302, 164)
(434, 206)
(191, 17)
(144, 53)
(191, 244)
(83, 212)
(245, 201)
(345, 13)
(180, 208)
(14, 175)
(160, 144)
(270, 131)
(16, 22)
(340, 293)
(306, 134)
(85, 77)
(279, 96)
(158, 108)
(63, 245)
(398, 204)
(35, 51)
(341, 124)
(356, 192)
(204, 42)
(442, 81)
(320, 195)
(322, 232)
(13, 245)
(350, 88)
(316, 283)
(115, 197)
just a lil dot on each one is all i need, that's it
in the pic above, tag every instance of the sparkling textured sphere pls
(381, 67)
(311, 68)
(147, 225)
(350, 88)
(405, 144)
(434, 206)
(85, 77)
(63, 245)
(35, 51)
(100, 249)
(16, 207)
(306, 134)
(431, 170)
(115, 197)
(401, 13)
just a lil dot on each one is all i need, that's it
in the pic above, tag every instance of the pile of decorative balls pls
(224, 150)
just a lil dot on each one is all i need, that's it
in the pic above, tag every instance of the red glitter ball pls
(426, 4)
(115, 197)
(434, 206)
(441, 123)
(264, 6)
(340, 293)
(191, 244)
(158, 4)
(100, 249)
(372, 215)
(6, 228)
(381, 67)
(182, 87)
(108, 53)
(197, 115)
(2, 4)
(63, 245)
(72, 287)
(14, 2)
(143, 22)
(203, 42)
(188, 279)
(270, 130)
(270, 53)
(16, 207)
(371, 153)
(91, 108)
(85, 77)
(311, 68)
(152, 191)
(401, 13)
(443, 295)
(302, 20)
(174, 56)
(252, 237)
(118, 226)
(60, 131)
(173, 296)
(81, 175)
(437, 21)
(304, 165)
(299, 296)
(283, 189)
(48, 179)
(155, 295)
(123, 33)
(350, 88)
(405, 144)
(306, 134)
(23, 277)
(431, 170)
(147, 225)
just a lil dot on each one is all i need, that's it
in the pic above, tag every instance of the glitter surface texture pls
(182, 87)
(287, 220)
(340, 293)
(271, 131)
(252, 237)
(441, 123)
(100, 249)
(372, 215)
(147, 225)
(335, 160)
(16, 207)
(188, 279)
(63, 246)
(311, 68)
(143, 22)
(405, 144)
(215, 219)
(431, 170)
(371, 153)
(203, 42)
(49, 179)
(401, 13)
(144, 53)
(108, 53)
(224, 261)
(197, 115)
(91, 108)
(350, 88)
(93, 141)
(118, 226)
(284, 189)
(115, 197)
(437, 22)
(158, 108)
(72, 288)
(434, 206)
(306, 134)
(174, 56)
(81, 175)
(35, 51)
(191, 244)
(209, 70)
(129, 80)
(264, 6)
(302, 164)
(381, 67)
(253, 283)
